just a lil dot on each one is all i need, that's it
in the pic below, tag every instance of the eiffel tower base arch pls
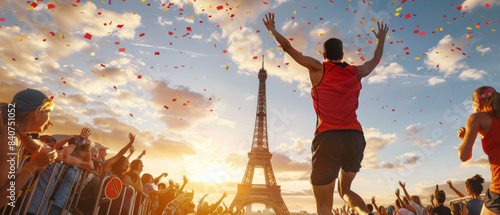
(263, 194)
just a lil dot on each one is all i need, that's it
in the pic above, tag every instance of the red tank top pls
(491, 146)
(335, 98)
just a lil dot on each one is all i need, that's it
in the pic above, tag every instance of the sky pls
(182, 76)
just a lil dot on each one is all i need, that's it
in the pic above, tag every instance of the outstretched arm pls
(109, 163)
(214, 206)
(365, 69)
(397, 195)
(468, 136)
(404, 190)
(459, 194)
(185, 180)
(375, 205)
(310, 63)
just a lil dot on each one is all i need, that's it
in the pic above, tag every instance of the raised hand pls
(43, 156)
(397, 192)
(185, 179)
(269, 22)
(449, 183)
(85, 132)
(132, 149)
(382, 31)
(461, 133)
(402, 184)
(224, 195)
(132, 138)
(373, 199)
(437, 187)
(432, 197)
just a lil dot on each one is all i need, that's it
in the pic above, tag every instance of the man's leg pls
(324, 198)
(350, 197)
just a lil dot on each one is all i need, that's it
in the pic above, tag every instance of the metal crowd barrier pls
(121, 199)
(464, 199)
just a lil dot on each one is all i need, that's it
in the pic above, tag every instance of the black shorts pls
(492, 201)
(335, 149)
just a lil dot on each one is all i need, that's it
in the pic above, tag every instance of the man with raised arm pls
(339, 143)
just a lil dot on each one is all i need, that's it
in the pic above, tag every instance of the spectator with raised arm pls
(339, 142)
(31, 110)
(415, 201)
(440, 197)
(400, 206)
(110, 162)
(474, 188)
(380, 210)
(485, 122)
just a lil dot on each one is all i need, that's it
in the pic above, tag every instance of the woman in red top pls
(486, 122)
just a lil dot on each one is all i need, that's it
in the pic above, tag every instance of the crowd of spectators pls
(70, 176)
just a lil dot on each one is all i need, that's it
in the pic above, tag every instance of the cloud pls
(483, 49)
(471, 4)
(415, 133)
(447, 54)
(184, 19)
(375, 142)
(189, 109)
(472, 74)
(434, 81)
(482, 162)
(283, 163)
(382, 73)
(163, 21)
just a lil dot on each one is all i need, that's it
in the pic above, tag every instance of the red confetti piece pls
(291, 39)
(459, 8)
(406, 48)
(157, 53)
(87, 36)
(119, 26)
(139, 76)
(117, 43)
(114, 87)
(225, 51)
(52, 97)
(487, 5)
(188, 29)
(408, 16)
(174, 100)
(220, 7)
(393, 109)
(166, 107)
(131, 115)
(2, 19)
(254, 57)
(142, 35)
(422, 33)
(50, 6)
(362, 58)
(121, 49)
(170, 33)
(103, 65)
(34, 4)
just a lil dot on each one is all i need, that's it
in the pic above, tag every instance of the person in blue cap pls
(29, 112)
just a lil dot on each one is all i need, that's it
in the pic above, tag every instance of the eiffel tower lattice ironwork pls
(268, 194)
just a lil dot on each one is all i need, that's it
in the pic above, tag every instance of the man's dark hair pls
(370, 207)
(440, 196)
(333, 49)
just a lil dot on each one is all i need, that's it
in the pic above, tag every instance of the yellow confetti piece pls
(322, 34)
(399, 8)
(374, 20)
(249, 12)
(19, 39)
(192, 16)
(270, 35)
(209, 6)
(165, 10)
(227, 67)
(294, 12)
(477, 47)
(67, 45)
(319, 52)
(21, 19)
(493, 30)
(143, 0)
(439, 29)
(102, 75)
(477, 26)
(218, 99)
(369, 3)
(89, 2)
(371, 29)
(387, 36)
(184, 104)
(469, 28)
(396, 14)
(469, 36)
(61, 36)
(93, 71)
(104, 43)
(482, 54)
(362, 21)
(417, 58)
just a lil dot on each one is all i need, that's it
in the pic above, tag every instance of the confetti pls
(119, 26)
(142, 35)
(188, 29)
(121, 49)
(2, 19)
(87, 36)
(166, 107)
(157, 53)
(51, 6)
(139, 76)
(487, 5)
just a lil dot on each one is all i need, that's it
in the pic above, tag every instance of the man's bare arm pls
(310, 63)
(365, 69)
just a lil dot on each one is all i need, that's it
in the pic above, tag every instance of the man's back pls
(441, 210)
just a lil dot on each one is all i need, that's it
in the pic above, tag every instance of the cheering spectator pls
(485, 121)
(108, 165)
(440, 209)
(415, 201)
(474, 187)
(31, 110)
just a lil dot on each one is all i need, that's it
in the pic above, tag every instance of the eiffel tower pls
(260, 157)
